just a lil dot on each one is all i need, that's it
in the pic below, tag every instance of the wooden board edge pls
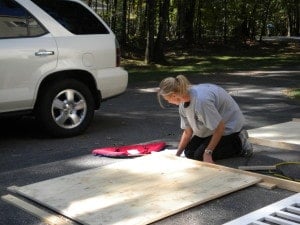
(266, 185)
(43, 214)
(248, 168)
(45, 207)
(13, 188)
(274, 144)
(280, 183)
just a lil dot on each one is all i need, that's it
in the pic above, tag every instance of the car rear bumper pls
(111, 81)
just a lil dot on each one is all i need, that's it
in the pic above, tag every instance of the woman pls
(211, 120)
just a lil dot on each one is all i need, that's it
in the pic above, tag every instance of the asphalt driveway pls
(28, 156)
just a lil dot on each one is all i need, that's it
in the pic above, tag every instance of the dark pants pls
(229, 146)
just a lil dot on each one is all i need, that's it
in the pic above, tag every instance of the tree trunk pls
(161, 36)
(113, 15)
(189, 21)
(264, 19)
(199, 22)
(180, 19)
(140, 25)
(124, 24)
(297, 15)
(150, 8)
(225, 26)
(290, 26)
(252, 23)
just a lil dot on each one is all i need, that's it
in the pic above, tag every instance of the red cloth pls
(130, 150)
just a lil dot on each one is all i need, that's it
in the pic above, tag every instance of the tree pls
(292, 10)
(225, 25)
(150, 9)
(264, 18)
(161, 36)
(198, 22)
(124, 24)
(114, 9)
(189, 16)
(146, 24)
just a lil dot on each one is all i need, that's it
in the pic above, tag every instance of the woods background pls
(148, 25)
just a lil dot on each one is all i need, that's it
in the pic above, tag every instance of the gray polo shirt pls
(208, 106)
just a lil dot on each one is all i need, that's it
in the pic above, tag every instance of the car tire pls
(65, 108)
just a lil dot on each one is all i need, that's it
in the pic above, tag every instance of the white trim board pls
(136, 191)
(284, 212)
(44, 214)
(282, 135)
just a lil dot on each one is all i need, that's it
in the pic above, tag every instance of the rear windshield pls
(73, 16)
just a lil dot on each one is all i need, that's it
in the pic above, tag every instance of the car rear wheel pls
(65, 108)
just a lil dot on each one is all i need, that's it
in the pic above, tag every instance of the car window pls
(15, 21)
(73, 16)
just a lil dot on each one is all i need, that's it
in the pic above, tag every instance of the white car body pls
(27, 62)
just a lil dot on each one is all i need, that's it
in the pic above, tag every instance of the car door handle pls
(44, 53)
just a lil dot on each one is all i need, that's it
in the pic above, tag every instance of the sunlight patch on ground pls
(149, 90)
(283, 132)
(183, 69)
(264, 72)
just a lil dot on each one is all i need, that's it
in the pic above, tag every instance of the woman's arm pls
(217, 135)
(185, 138)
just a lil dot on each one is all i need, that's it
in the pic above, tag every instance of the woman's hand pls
(185, 138)
(207, 158)
(178, 153)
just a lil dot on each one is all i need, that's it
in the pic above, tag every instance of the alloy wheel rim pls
(69, 109)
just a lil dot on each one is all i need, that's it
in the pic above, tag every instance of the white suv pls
(58, 60)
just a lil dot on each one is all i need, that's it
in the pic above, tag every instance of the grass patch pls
(206, 61)
(293, 93)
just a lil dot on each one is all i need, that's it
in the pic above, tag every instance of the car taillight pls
(118, 54)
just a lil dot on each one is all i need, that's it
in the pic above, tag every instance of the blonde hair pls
(179, 85)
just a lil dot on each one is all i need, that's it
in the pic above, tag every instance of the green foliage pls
(193, 22)
(244, 18)
(263, 57)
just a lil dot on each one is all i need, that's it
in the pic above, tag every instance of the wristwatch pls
(208, 151)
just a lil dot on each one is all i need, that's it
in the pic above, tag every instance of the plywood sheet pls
(282, 135)
(136, 191)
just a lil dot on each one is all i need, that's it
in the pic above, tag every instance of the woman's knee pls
(198, 154)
